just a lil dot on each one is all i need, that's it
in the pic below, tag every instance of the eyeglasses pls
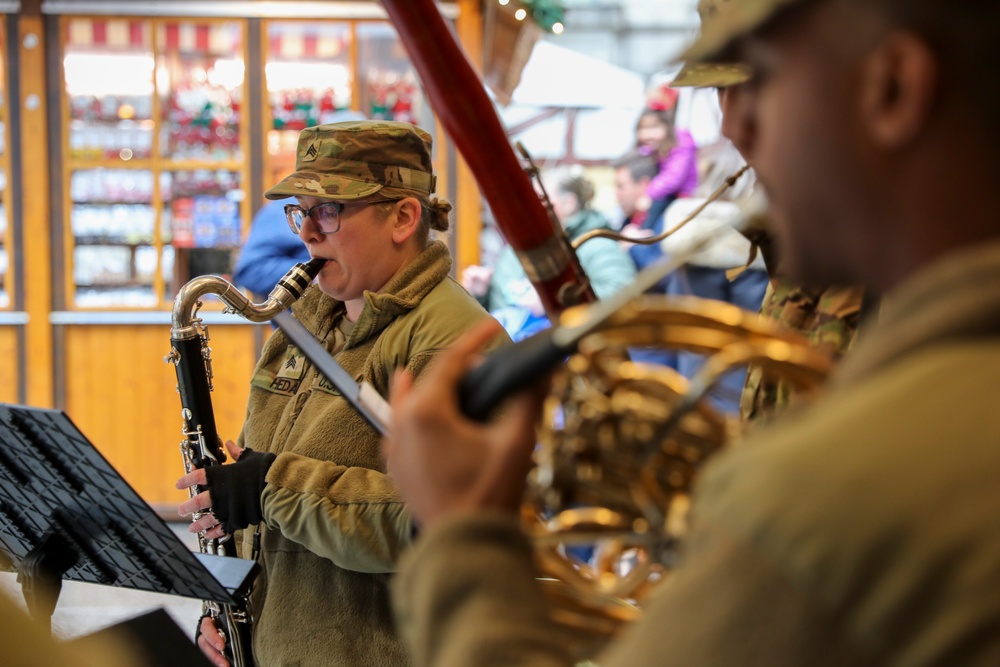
(325, 215)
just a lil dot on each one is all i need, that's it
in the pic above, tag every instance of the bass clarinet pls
(201, 446)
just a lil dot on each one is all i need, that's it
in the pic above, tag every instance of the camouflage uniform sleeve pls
(828, 317)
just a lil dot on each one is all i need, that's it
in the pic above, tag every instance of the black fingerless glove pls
(236, 488)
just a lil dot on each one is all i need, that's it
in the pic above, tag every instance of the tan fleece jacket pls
(858, 531)
(334, 524)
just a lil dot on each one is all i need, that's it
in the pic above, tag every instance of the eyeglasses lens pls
(326, 216)
(294, 215)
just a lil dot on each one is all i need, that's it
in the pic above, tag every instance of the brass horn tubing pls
(691, 310)
(586, 593)
(661, 434)
(636, 382)
(648, 376)
(804, 367)
(740, 354)
(610, 614)
(699, 325)
(615, 236)
(597, 584)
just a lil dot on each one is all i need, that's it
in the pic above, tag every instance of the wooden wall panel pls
(9, 365)
(123, 397)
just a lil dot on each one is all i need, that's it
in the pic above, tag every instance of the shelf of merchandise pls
(154, 156)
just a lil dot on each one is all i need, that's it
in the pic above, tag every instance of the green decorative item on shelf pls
(546, 13)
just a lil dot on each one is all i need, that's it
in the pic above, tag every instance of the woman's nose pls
(309, 231)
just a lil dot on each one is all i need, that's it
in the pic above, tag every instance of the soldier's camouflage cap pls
(696, 74)
(357, 159)
(733, 19)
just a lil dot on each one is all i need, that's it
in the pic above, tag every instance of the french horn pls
(621, 443)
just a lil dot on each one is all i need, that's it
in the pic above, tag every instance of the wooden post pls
(469, 218)
(36, 223)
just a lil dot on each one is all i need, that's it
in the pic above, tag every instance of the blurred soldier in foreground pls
(861, 530)
(27, 643)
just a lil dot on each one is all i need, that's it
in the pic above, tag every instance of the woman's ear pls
(407, 219)
(899, 82)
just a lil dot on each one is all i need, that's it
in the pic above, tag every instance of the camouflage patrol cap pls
(719, 75)
(714, 75)
(357, 159)
(733, 19)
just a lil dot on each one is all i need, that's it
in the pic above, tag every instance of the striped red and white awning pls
(199, 38)
(134, 34)
(303, 45)
(288, 43)
(118, 34)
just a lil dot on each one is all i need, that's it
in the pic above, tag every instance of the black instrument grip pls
(506, 371)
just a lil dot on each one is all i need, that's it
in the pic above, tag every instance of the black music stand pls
(66, 513)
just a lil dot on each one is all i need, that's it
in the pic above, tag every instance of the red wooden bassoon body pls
(465, 111)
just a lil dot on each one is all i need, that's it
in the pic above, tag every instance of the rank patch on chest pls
(288, 376)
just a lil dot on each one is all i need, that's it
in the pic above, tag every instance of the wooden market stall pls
(143, 137)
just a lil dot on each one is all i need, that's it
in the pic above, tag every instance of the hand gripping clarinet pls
(201, 447)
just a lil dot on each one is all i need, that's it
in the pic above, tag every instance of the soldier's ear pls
(899, 83)
(406, 220)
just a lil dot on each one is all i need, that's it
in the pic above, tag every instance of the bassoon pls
(457, 96)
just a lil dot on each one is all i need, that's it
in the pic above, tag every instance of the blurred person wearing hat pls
(309, 484)
(862, 529)
(827, 315)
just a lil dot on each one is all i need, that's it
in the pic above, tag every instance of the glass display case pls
(199, 79)
(309, 76)
(155, 156)
(113, 225)
(389, 89)
(326, 71)
(201, 224)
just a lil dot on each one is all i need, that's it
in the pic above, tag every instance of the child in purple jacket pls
(674, 149)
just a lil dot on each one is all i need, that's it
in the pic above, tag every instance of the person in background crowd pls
(326, 523)
(505, 289)
(633, 172)
(827, 315)
(673, 148)
(862, 530)
(269, 251)
(714, 272)
(677, 176)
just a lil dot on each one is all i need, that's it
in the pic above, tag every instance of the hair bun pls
(440, 208)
